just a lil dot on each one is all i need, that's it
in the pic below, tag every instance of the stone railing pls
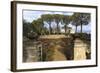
(54, 36)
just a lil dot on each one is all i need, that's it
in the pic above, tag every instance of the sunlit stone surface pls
(79, 50)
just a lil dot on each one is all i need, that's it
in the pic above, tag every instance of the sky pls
(30, 15)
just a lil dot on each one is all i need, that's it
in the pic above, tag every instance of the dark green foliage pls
(57, 18)
(48, 18)
(66, 20)
(38, 26)
(84, 36)
(79, 19)
(33, 35)
(27, 28)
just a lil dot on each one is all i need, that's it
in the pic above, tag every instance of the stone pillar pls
(79, 50)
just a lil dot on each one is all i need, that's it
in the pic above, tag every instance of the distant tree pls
(41, 25)
(80, 19)
(26, 28)
(75, 20)
(85, 19)
(57, 18)
(37, 26)
(66, 20)
(48, 18)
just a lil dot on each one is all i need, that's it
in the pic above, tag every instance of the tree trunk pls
(65, 29)
(81, 27)
(50, 29)
(76, 29)
(57, 28)
(81, 23)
